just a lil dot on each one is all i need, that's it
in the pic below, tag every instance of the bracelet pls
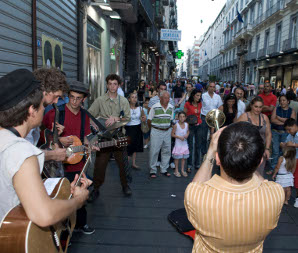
(267, 148)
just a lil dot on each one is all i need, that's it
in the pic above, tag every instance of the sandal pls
(152, 175)
(184, 174)
(188, 170)
(177, 174)
(166, 174)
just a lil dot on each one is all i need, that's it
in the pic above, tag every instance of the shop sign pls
(170, 35)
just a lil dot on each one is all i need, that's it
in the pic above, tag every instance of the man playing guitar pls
(76, 123)
(21, 109)
(53, 84)
(113, 108)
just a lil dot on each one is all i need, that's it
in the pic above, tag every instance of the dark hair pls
(129, 95)
(290, 95)
(253, 101)
(226, 107)
(18, 114)
(161, 83)
(286, 96)
(192, 94)
(52, 79)
(112, 77)
(240, 150)
(181, 112)
(290, 122)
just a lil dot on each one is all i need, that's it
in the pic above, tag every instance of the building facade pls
(88, 39)
(262, 47)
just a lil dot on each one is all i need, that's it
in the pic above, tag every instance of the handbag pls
(144, 126)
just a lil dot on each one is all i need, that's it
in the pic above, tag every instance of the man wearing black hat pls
(76, 123)
(21, 109)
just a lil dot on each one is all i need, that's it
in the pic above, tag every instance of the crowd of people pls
(260, 131)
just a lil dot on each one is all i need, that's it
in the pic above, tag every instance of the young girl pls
(180, 152)
(284, 170)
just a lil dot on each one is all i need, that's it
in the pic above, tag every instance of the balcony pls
(159, 20)
(271, 14)
(128, 10)
(289, 45)
(172, 12)
(150, 35)
(147, 11)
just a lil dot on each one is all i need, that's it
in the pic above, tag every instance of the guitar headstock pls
(123, 141)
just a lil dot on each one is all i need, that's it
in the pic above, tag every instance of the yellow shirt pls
(104, 107)
(233, 218)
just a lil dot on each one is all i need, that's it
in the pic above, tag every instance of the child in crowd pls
(146, 135)
(180, 152)
(284, 170)
(292, 141)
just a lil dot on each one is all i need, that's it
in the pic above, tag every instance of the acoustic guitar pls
(52, 168)
(18, 234)
(76, 151)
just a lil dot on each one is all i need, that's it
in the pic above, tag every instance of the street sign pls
(170, 34)
(179, 54)
(179, 61)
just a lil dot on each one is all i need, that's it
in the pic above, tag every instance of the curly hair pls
(52, 79)
(113, 77)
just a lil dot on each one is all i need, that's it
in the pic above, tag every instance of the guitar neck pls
(105, 144)
(78, 183)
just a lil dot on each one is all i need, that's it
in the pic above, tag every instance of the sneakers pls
(85, 230)
(172, 165)
(93, 196)
(126, 190)
(146, 146)
(296, 203)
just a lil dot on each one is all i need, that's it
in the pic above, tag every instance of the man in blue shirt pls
(292, 141)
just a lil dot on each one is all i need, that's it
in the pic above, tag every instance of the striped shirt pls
(232, 218)
(156, 99)
(160, 117)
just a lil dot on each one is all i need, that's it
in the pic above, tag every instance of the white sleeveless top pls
(135, 115)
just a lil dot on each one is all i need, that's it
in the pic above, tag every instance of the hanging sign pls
(170, 34)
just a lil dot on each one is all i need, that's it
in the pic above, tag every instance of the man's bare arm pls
(39, 207)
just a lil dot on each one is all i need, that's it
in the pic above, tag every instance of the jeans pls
(277, 138)
(194, 132)
(204, 135)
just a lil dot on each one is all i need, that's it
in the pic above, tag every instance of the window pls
(252, 14)
(278, 38)
(249, 46)
(266, 42)
(257, 45)
(294, 33)
(241, 4)
(260, 8)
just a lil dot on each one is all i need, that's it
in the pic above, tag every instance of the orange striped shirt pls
(233, 218)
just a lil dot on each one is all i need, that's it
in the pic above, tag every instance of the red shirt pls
(72, 124)
(269, 100)
(194, 110)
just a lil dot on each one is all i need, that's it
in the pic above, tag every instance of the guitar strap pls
(83, 118)
(14, 131)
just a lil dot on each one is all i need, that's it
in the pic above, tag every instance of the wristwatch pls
(211, 160)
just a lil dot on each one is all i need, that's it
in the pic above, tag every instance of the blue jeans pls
(277, 138)
(205, 129)
(194, 132)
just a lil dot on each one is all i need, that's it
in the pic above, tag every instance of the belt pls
(162, 129)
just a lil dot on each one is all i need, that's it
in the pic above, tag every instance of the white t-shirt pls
(240, 108)
(120, 92)
(33, 136)
(13, 152)
(209, 103)
(135, 115)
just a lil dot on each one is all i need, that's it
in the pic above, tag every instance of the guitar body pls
(20, 235)
(74, 157)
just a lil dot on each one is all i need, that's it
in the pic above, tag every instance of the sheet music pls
(50, 184)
